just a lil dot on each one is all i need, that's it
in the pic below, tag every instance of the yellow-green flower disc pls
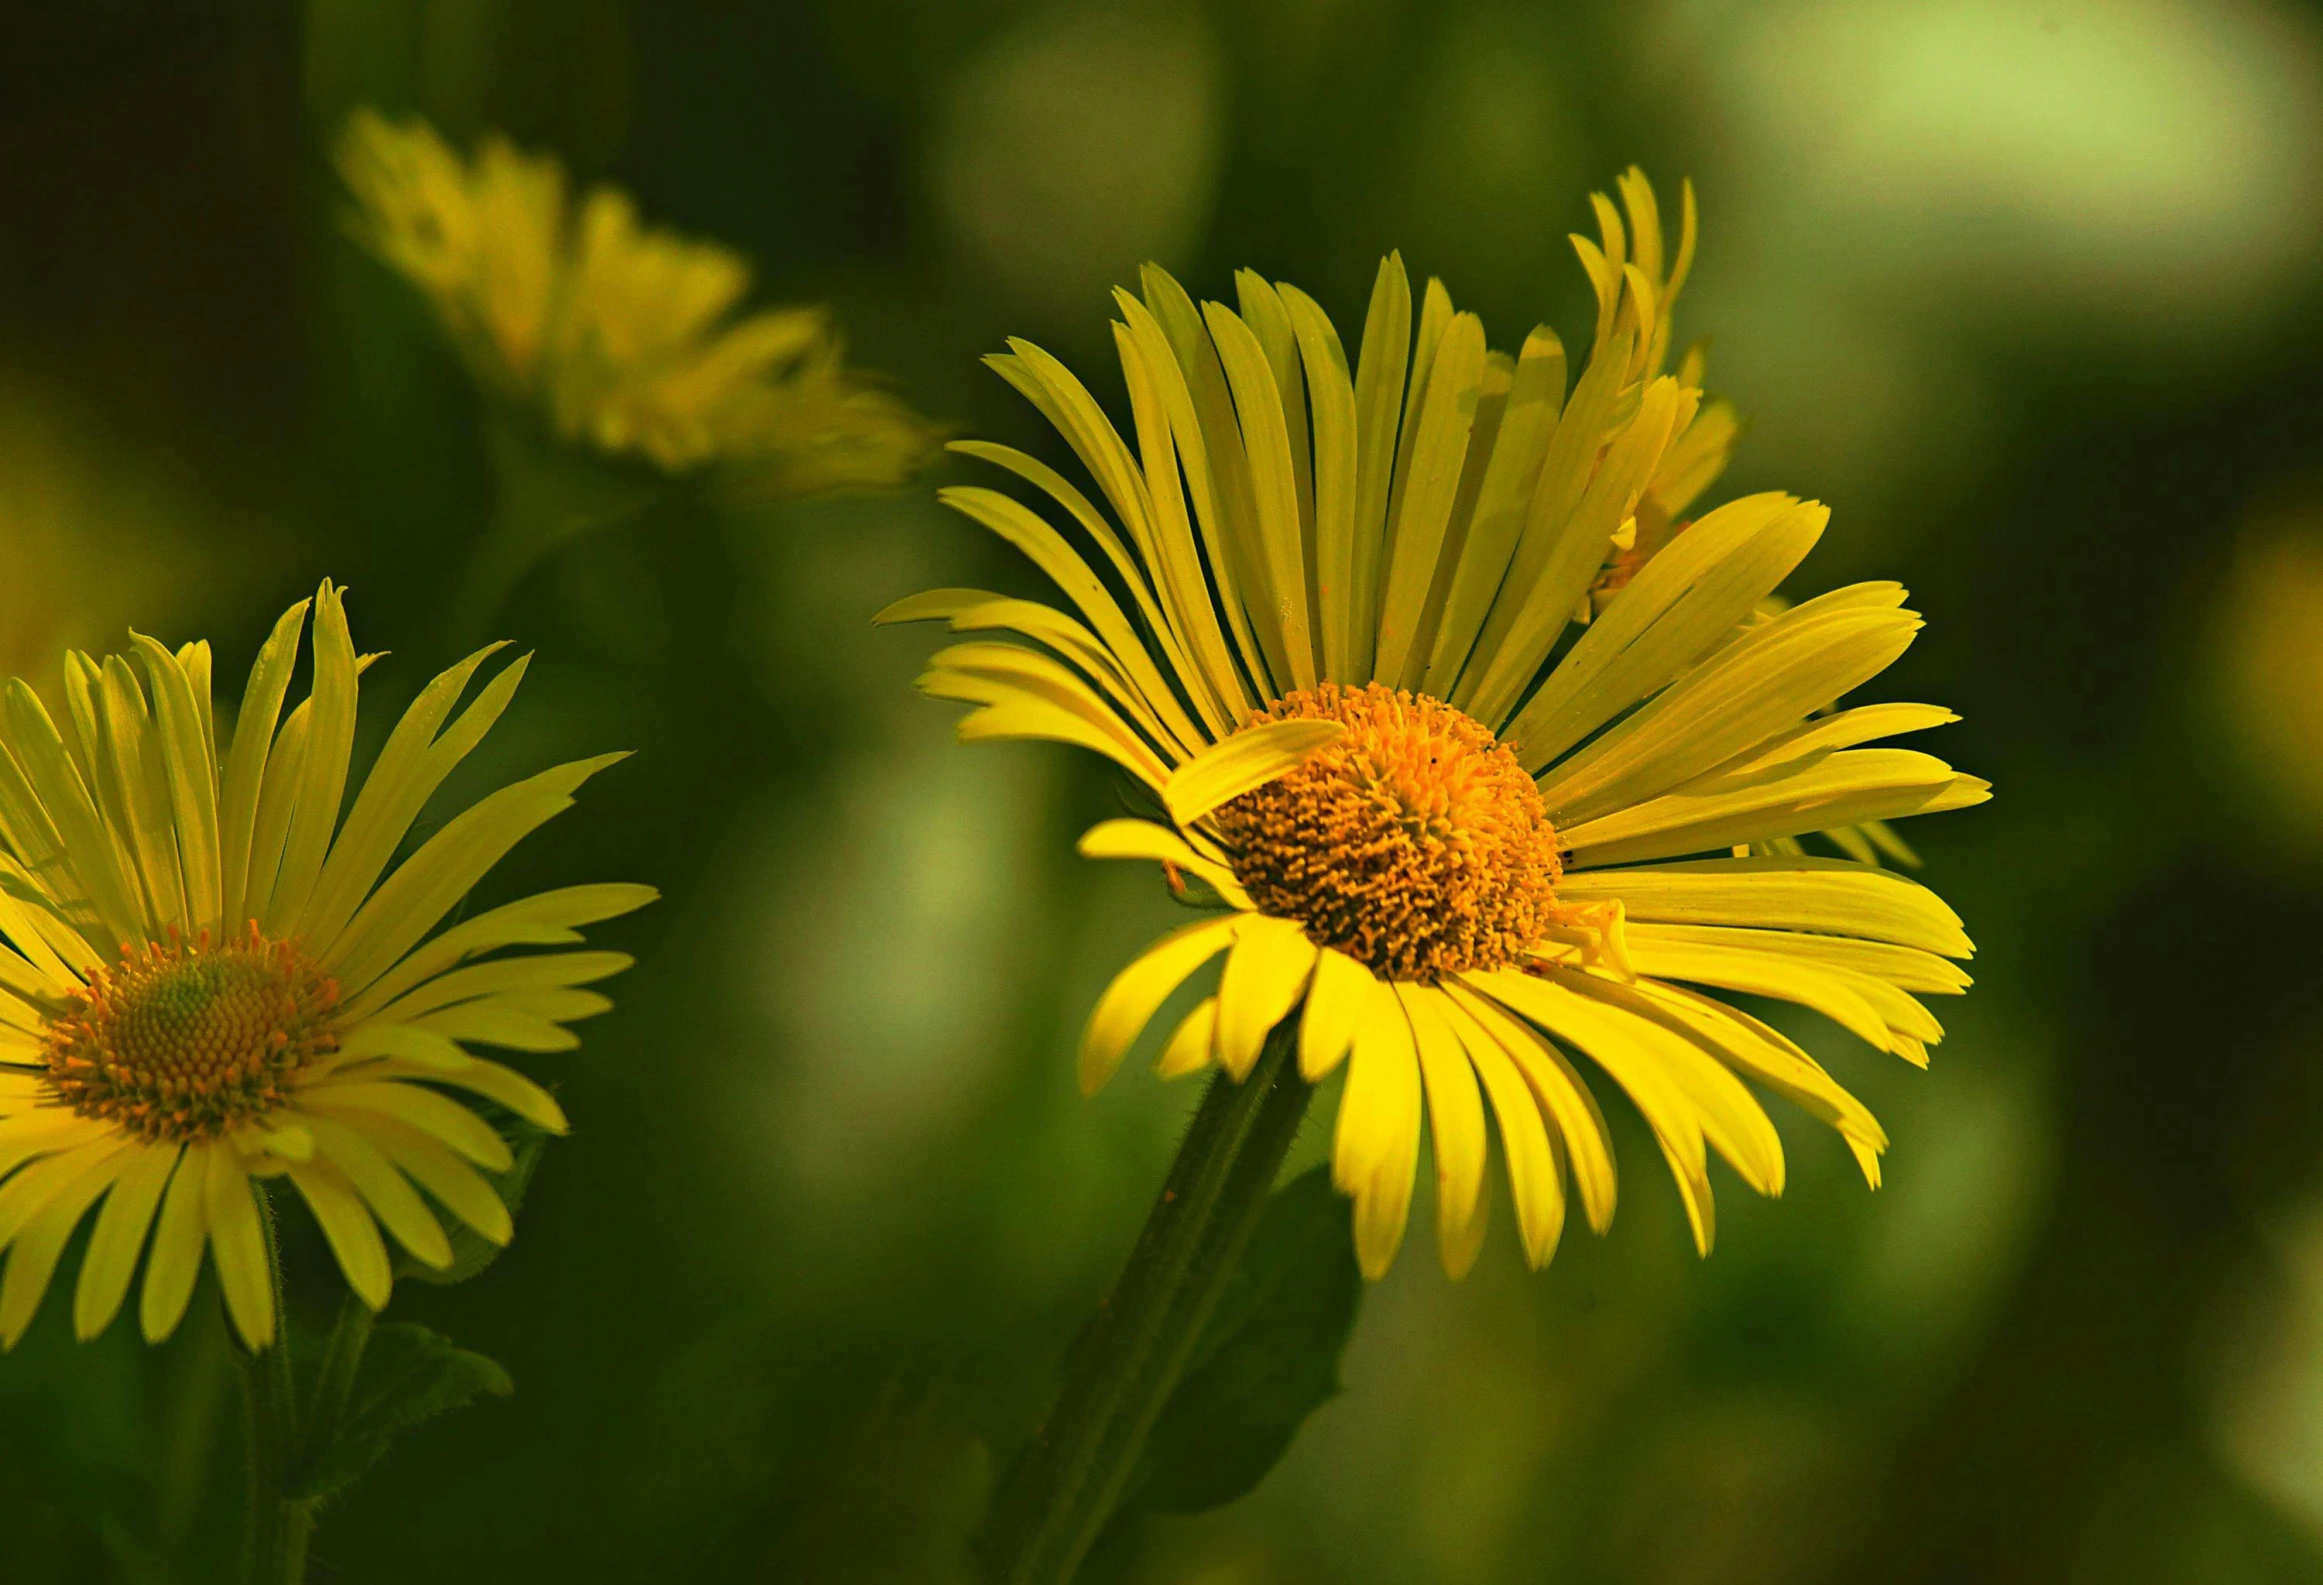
(1495, 751)
(208, 977)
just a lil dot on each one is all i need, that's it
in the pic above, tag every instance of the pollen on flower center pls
(179, 1042)
(1416, 844)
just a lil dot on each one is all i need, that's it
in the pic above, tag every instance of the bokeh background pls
(2028, 291)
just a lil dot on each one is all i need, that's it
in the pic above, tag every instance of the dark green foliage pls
(410, 1375)
(1269, 1358)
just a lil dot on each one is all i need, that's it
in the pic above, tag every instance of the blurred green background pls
(2029, 292)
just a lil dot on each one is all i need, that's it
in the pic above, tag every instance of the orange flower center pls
(1416, 844)
(183, 1042)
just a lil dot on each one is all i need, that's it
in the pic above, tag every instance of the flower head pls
(621, 336)
(207, 977)
(1492, 756)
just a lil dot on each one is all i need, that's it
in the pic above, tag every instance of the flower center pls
(183, 1042)
(1416, 844)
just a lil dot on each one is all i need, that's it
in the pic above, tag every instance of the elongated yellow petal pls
(348, 1227)
(1519, 446)
(1153, 690)
(392, 1199)
(1338, 999)
(1376, 1142)
(1138, 991)
(454, 1183)
(1142, 839)
(119, 1238)
(1169, 434)
(1265, 976)
(1840, 789)
(1760, 974)
(1049, 626)
(1536, 1174)
(535, 972)
(548, 918)
(1762, 1053)
(425, 886)
(933, 605)
(1457, 1113)
(416, 1107)
(1246, 761)
(1756, 688)
(410, 767)
(1445, 410)
(32, 1257)
(1563, 543)
(1828, 895)
(245, 766)
(1331, 398)
(238, 1246)
(1192, 1043)
(1274, 486)
(179, 1235)
(188, 765)
(322, 766)
(1664, 1075)
(1684, 603)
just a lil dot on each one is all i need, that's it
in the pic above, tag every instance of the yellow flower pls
(620, 336)
(208, 977)
(1452, 845)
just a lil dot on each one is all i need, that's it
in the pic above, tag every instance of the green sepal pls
(410, 1375)
(1268, 1358)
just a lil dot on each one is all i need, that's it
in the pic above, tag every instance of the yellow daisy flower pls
(1456, 841)
(621, 336)
(207, 977)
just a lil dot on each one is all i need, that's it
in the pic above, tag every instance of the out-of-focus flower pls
(2268, 643)
(208, 978)
(1438, 852)
(620, 336)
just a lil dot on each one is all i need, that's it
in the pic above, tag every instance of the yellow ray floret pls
(1495, 759)
(208, 979)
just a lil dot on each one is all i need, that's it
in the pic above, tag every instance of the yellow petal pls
(1457, 1113)
(1244, 762)
(1376, 1143)
(1138, 991)
(1265, 975)
(1191, 1045)
(1337, 999)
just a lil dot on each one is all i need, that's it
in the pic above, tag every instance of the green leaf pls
(471, 1250)
(1267, 1360)
(410, 1376)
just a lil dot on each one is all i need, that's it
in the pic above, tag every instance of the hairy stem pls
(275, 1542)
(1057, 1499)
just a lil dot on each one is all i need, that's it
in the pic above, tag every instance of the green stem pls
(1057, 1499)
(335, 1385)
(275, 1543)
(548, 496)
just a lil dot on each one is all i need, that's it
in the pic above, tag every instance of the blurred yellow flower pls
(621, 336)
(1447, 843)
(208, 978)
(2268, 644)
